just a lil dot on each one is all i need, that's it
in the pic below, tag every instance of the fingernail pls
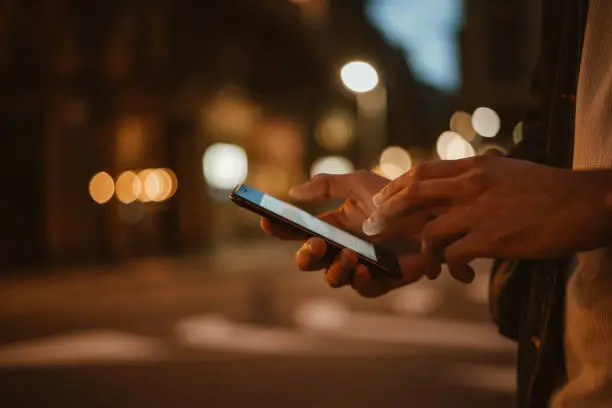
(377, 200)
(294, 192)
(372, 226)
(306, 247)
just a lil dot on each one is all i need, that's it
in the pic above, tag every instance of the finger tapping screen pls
(314, 224)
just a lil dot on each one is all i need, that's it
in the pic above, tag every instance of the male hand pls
(357, 190)
(501, 208)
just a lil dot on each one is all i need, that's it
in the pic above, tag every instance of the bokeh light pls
(458, 148)
(230, 114)
(101, 187)
(335, 131)
(486, 122)
(443, 142)
(331, 165)
(150, 185)
(128, 187)
(378, 171)
(461, 123)
(395, 161)
(517, 133)
(275, 180)
(359, 76)
(225, 165)
(153, 185)
(492, 150)
(169, 184)
(157, 185)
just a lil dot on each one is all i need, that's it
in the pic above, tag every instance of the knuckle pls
(320, 177)
(480, 161)
(456, 257)
(428, 235)
(419, 172)
(479, 178)
(411, 190)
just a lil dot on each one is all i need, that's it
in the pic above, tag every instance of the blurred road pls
(228, 330)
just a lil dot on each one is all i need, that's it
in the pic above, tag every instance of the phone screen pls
(317, 226)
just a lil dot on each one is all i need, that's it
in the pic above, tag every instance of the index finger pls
(425, 171)
(324, 187)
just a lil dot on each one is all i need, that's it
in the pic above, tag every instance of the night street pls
(142, 142)
(168, 333)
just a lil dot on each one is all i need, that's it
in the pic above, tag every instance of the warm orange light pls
(101, 187)
(168, 184)
(461, 123)
(150, 185)
(395, 161)
(173, 184)
(128, 187)
(335, 132)
(157, 185)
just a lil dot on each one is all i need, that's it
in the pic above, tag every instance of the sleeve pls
(535, 120)
(510, 278)
(533, 144)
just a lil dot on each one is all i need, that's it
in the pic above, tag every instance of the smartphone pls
(378, 259)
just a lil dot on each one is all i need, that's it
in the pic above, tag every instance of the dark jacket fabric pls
(527, 297)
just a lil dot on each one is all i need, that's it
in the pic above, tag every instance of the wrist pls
(601, 202)
(608, 203)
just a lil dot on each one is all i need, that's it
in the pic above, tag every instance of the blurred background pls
(126, 276)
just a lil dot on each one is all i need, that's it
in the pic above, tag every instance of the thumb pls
(412, 266)
(323, 187)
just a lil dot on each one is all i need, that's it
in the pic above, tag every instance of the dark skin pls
(502, 208)
(357, 189)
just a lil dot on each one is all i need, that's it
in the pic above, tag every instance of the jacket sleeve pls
(533, 146)
(510, 278)
(534, 128)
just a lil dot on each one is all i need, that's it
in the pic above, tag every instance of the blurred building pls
(113, 88)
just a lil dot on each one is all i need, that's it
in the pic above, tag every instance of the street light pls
(486, 122)
(225, 165)
(362, 78)
(359, 76)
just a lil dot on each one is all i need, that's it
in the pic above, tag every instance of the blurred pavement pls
(241, 326)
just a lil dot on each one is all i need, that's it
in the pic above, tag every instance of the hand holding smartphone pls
(378, 259)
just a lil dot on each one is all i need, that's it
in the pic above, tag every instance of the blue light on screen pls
(427, 31)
